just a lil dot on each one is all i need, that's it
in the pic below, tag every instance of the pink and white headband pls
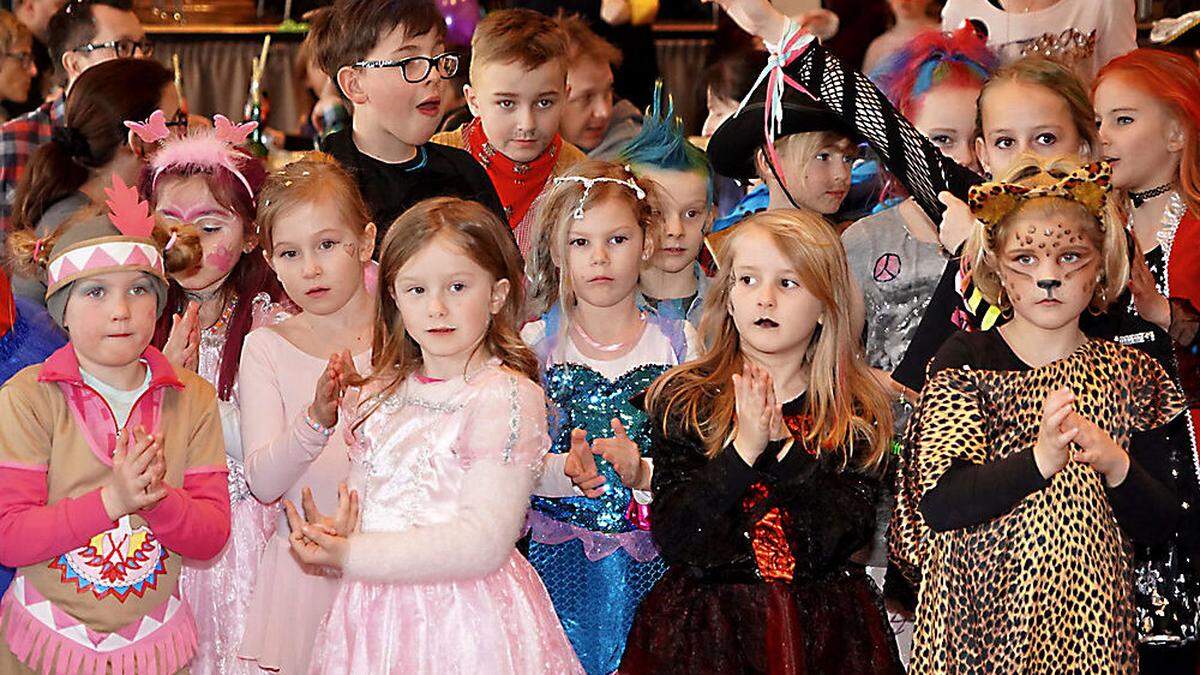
(202, 149)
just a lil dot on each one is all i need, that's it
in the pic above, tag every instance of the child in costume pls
(202, 179)
(766, 449)
(674, 284)
(1036, 454)
(113, 466)
(590, 519)
(1147, 104)
(449, 440)
(517, 94)
(317, 233)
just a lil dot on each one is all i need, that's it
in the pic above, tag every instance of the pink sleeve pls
(277, 450)
(32, 531)
(193, 521)
(509, 424)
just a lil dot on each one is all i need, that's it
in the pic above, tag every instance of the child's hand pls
(957, 222)
(625, 457)
(1099, 450)
(759, 417)
(157, 471)
(315, 544)
(1051, 451)
(183, 343)
(343, 522)
(820, 22)
(581, 466)
(1150, 304)
(132, 485)
(324, 408)
(756, 17)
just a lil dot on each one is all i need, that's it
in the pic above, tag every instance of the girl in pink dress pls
(449, 438)
(315, 232)
(202, 180)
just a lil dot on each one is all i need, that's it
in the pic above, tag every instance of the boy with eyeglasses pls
(81, 34)
(387, 59)
(517, 94)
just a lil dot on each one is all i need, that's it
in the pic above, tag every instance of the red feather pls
(127, 211)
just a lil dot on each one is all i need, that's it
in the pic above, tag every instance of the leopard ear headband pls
(1088, 185)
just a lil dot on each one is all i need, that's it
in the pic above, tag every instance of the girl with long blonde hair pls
(768, 448)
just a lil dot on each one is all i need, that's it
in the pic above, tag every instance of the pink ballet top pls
(283, 455)
(433, 582)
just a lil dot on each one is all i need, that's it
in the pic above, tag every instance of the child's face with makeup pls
(1021, 118)
(319, 257)
(685, 215)
(1049, 265)
(222, 232)
(520, 109)
(773, 311)
(605, 252)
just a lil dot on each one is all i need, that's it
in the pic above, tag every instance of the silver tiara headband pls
(587, 188)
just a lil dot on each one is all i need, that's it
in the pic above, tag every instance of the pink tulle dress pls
(219, 589)
(433, 582)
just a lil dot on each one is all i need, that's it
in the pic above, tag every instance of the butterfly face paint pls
(1049, 266)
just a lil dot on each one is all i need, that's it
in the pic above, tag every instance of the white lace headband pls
(587, 188)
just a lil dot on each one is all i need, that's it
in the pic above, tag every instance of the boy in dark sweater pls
(387, 59)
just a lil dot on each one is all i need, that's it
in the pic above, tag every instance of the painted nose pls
(1049, 284)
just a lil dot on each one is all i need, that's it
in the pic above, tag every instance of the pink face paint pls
(221, 258)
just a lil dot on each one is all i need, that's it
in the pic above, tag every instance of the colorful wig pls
(1174, 80)
(933, 58)
(663, 145)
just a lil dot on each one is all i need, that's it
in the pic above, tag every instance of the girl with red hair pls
(1148, 106)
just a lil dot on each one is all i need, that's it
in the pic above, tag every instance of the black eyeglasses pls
(124, 48)
(416, 69)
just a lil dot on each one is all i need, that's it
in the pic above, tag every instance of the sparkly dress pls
(596, 555)
(219, 590)
(761, 578)
(433, 582)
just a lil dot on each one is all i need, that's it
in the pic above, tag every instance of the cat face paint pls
(1049, 267)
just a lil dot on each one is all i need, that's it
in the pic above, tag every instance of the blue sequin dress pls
(595, 555)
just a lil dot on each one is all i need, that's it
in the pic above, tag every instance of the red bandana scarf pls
(517, 184)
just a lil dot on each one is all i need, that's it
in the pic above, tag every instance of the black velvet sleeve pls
(698, 516)
(1145, 507)
(972, 494)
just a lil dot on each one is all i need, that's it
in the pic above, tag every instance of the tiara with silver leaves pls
(588, 183)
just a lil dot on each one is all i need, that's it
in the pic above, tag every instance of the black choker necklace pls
(1139, 198)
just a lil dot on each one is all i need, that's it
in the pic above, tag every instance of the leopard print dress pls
(1046, 587)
